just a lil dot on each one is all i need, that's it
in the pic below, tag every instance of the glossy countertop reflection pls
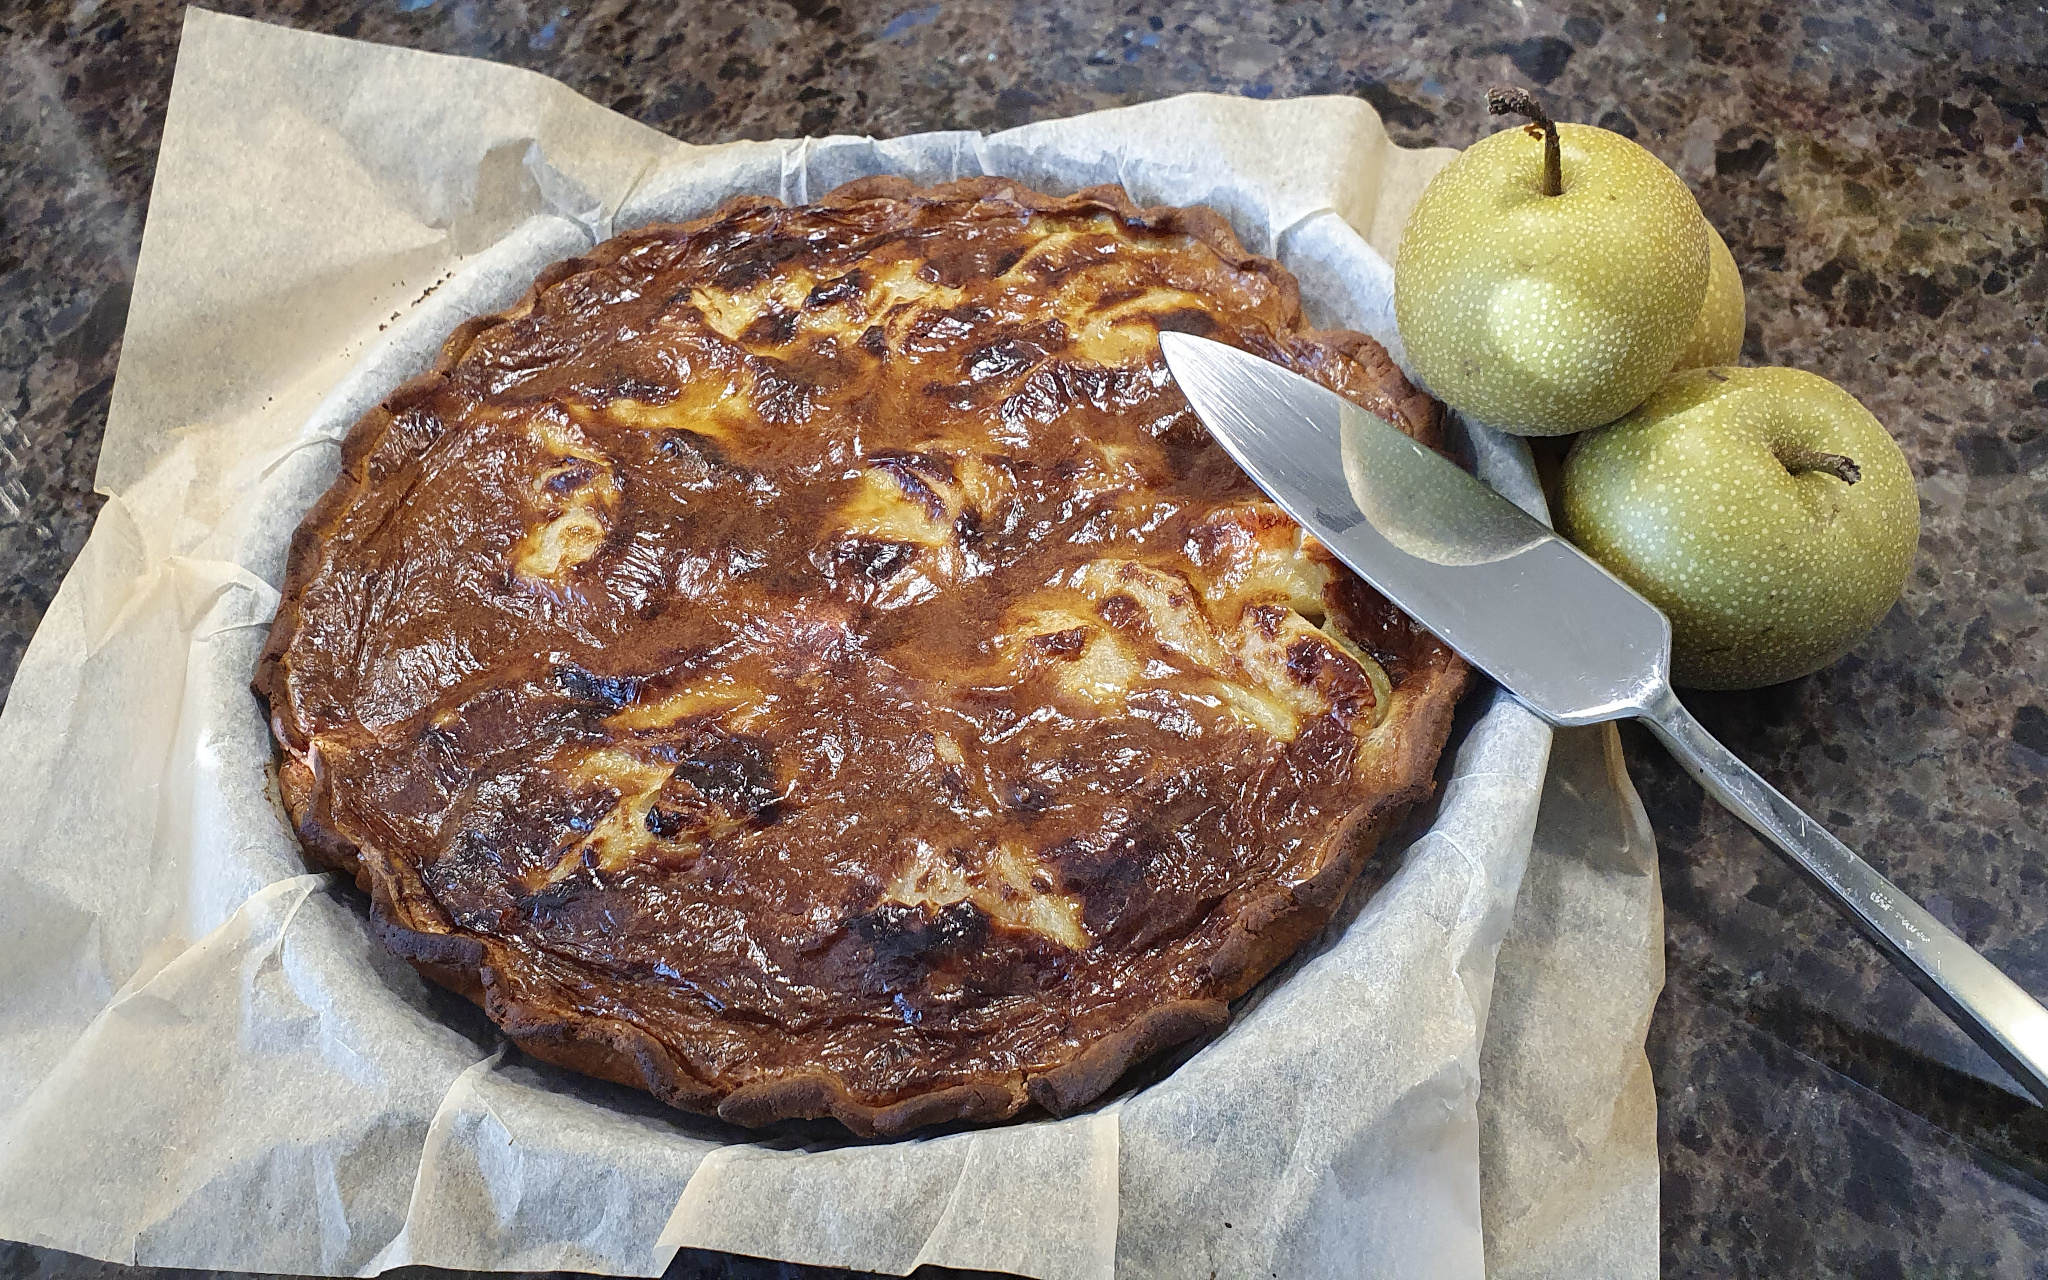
(1877, 170)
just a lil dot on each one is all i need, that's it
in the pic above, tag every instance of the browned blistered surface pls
(812, 660)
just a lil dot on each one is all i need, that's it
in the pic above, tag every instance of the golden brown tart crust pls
(811, 661)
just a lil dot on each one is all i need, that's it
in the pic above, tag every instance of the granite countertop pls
(1877, 169)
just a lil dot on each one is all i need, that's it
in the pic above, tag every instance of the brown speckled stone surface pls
(1878, 170)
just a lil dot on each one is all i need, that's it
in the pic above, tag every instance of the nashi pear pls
(1547, 314)
(1765, 511)
(1717, 334)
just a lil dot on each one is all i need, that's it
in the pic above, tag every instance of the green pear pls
(1765, 511)
(1549, 275)
(1717, 334)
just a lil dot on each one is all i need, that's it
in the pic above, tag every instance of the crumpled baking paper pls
(205, 1059)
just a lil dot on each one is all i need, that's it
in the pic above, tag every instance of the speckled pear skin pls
(1717, 334)
(1765, 575)
(1545, 315)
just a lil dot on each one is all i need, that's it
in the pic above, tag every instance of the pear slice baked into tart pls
(812, 662)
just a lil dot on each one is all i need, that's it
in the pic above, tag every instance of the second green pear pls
(1717, 335)
(1548, 314)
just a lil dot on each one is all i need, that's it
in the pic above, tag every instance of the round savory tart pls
(812, 662)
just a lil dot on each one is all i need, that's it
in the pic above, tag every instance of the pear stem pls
(1504, 100)
(1798, 461)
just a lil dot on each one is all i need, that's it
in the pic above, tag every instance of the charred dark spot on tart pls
(591, 689)
(1187, 320)
(1268, 618)
(1030, 797)
(898, 930)
(1066, 644)
(775, 328)
(1002, 359)
(782, 396)
(681, 442)
(957, 262)
(833, 292)
(558, 895)
(734, 771)
(748, 260)
(633, 386)
(1108, 872)
(671, 819)
(1120, 610)
(875, 559)
(915, 474)
(1307, 658)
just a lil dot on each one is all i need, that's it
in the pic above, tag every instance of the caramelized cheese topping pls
(823, 640)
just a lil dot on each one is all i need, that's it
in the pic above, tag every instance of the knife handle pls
(1996, 1012)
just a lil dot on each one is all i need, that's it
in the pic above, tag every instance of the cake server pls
(1571, 641)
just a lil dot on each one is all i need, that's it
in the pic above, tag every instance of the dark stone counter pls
(1877, 169)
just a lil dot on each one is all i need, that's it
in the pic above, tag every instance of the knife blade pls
(1565, 637)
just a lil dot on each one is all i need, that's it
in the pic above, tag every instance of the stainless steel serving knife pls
(1567, 638)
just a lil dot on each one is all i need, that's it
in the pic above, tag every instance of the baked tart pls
(812, 662)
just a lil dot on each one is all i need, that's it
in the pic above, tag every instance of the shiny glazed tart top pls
(820, 644)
